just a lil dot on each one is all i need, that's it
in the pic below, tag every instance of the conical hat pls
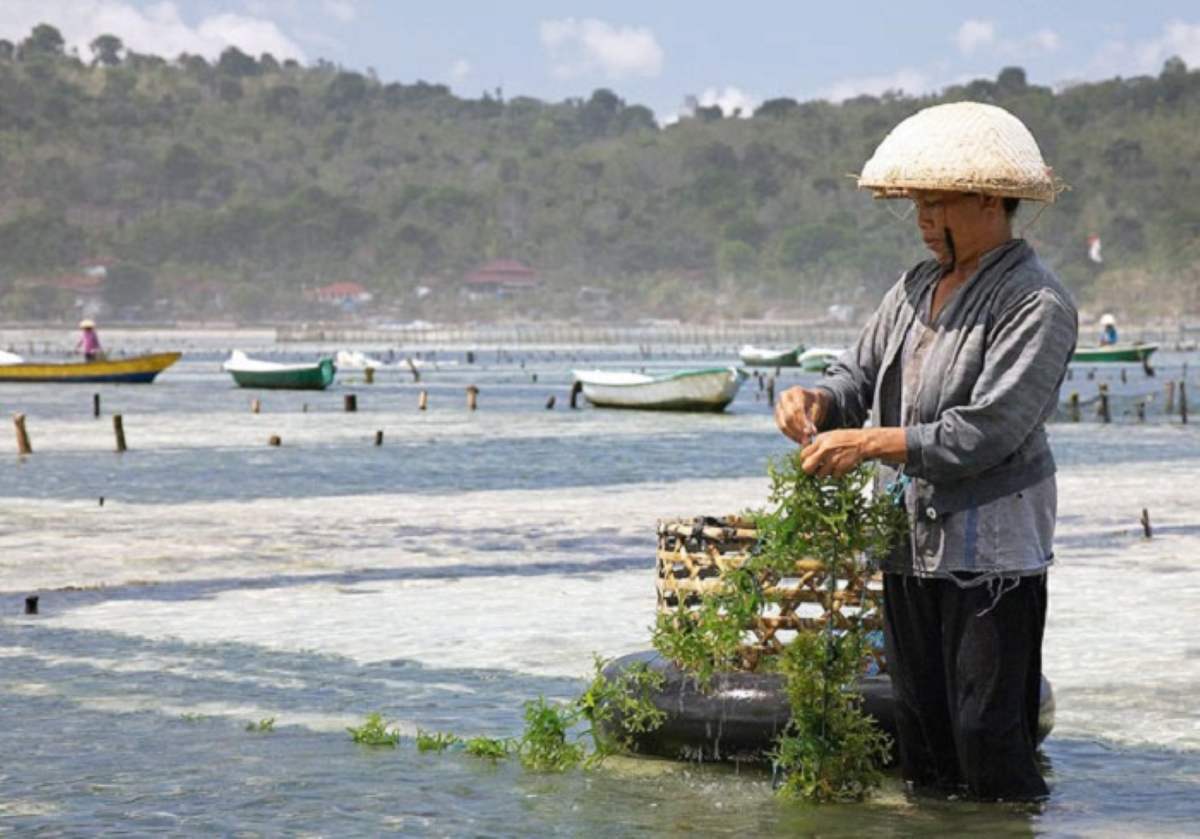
(961, 147)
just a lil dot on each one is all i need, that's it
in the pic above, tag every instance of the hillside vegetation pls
(226, 188)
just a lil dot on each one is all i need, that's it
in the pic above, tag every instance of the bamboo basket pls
(694, 555)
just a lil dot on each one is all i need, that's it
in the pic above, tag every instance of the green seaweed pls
(374, 732)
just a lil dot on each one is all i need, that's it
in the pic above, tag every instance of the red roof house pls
(501, 275)
(341, 294)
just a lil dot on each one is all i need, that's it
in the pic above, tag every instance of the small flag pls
(1094, 248)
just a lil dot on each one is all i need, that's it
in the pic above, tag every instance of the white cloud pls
(974, 34)
(158, 28)
(1124, 58)
(1046, 39)
(589, 46)
(342, 10)
(729, 99)
(906, 79)
(460, 69)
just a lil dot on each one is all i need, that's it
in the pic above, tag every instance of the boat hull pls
(317, 377)
(753, 357)
(705, 390)
(136, 370)
(1114, 353)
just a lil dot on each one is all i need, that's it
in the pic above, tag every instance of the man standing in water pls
(958, 371)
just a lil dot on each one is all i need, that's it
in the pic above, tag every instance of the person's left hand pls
(834, 453)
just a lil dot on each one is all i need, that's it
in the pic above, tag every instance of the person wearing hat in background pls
(88, 341)
(1108, 332)
(957, 371)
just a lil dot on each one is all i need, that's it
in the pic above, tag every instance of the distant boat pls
(356, 360)
(138, 369)
(817, 359)
(759, 357)
(1115, 352)
(250, 372)
(709, 389)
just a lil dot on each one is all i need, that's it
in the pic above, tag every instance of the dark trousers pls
(967, 685)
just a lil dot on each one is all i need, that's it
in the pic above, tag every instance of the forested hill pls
(229, 187)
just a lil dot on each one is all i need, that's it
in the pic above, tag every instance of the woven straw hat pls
(960, 147)
(87, 323)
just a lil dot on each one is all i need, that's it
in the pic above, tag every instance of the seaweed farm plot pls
(205, 636)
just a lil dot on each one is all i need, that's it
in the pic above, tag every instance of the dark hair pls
(1010, 206)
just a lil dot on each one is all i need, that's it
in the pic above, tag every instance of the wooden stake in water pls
(1170, 398)
(1183, 402)
(119, 432)
(1140, 408)
(1073, 403)
(255, 406)
(350, 402)
(576, 389)
(1146, 523)
(550, 403)
(23, 446)
(379, 438)
(423, 400)
(413, 368)
(771, 391)
(472, 397)
(369, 375)
(274, 440)
(31, 604)
(1104, 414)
(96, 405)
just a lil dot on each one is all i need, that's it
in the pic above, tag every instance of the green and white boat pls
(709, 389)
(1114, 352)
(760, 357)
(817, 359)
(269, 375)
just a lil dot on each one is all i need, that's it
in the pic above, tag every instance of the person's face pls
(945, 217)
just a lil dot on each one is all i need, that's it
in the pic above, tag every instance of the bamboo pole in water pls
(119, 431)
(23, 446)
(423, 400)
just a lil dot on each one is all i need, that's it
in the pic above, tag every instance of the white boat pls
(817, 359)
(709, 389)
(7, 357)
(759, 357)
(356, 360)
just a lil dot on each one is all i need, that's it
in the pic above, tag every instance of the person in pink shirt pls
(89, 340)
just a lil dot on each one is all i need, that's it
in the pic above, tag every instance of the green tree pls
(44, 40)
(106, 50)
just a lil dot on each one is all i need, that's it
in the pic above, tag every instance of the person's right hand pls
(800, 412)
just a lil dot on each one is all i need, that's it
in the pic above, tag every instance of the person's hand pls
(835, 453)
(800, 412)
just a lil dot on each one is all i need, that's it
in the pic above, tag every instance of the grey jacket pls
(990, 382)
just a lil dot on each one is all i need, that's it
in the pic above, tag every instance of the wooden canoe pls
(760, 357)
(709, 389)
(138, 369)
(1114, 352)
(269, 375)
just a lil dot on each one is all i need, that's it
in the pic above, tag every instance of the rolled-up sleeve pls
(1029, 347)
(850, 381)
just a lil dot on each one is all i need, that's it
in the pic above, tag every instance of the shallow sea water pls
(474, 561)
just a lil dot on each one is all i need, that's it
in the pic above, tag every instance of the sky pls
(655, 53)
